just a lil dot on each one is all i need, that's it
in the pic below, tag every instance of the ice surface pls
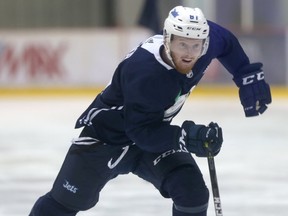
(252, 167)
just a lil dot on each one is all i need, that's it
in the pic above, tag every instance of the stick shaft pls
(214, 185)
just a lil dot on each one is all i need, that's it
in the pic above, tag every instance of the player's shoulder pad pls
(152, 45)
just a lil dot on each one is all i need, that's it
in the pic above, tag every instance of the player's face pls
(185, 52)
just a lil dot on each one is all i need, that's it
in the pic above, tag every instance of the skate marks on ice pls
(252, 166)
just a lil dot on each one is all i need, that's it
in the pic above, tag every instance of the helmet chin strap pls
(168, 53)
(205, 46)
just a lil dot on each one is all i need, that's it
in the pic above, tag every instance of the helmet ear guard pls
(205, 46)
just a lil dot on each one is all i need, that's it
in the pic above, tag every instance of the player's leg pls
(177, 176)
(47, 206)
(186, 187)
(82, 176)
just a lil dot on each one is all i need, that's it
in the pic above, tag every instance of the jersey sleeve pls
(228, 49)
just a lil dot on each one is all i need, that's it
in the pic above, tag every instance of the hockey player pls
(127, 128)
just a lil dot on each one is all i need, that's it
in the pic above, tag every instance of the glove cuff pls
(192, 128)
(249, 74)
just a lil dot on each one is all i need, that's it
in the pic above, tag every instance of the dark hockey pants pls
(175, 174)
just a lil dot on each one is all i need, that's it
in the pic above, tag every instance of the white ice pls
(252, 167)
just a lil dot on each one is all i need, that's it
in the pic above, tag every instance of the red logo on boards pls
(35, 60)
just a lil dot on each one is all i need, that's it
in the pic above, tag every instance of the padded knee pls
(47, 206)
(188, 191)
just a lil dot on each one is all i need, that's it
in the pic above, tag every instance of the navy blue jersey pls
(145, 93)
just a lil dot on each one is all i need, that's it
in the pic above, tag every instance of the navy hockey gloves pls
(196, 136)
(254, 92)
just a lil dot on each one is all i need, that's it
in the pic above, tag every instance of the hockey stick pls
(214, 182)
